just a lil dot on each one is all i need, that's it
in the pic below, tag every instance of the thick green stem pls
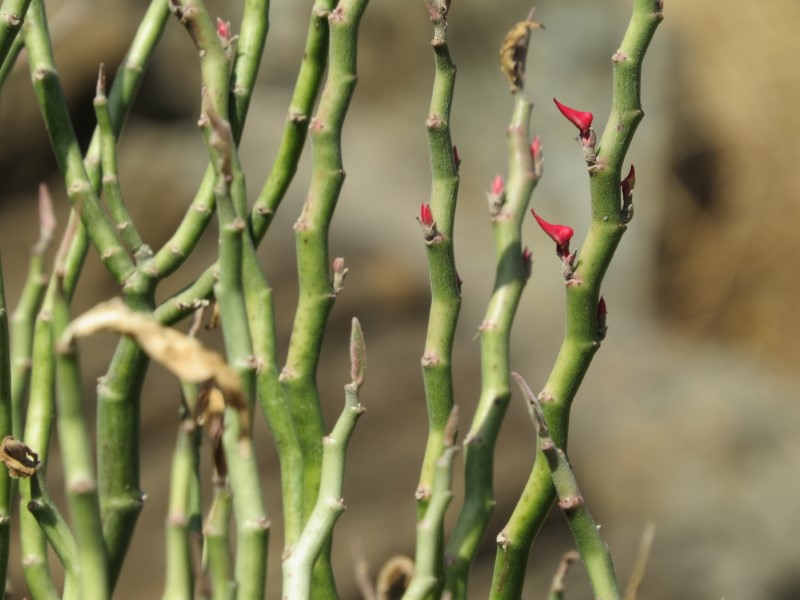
(24, 317)
(12, 14)
(583, 291)
(298, 567)
(81, 485)
(68, 155)
(5, 430)
(215, 532)
(182, 518)
(509, 207)
(592, 548)
(445, 283)
(54, 528)
(427, 580)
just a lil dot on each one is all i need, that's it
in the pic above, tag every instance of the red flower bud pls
(527, 255)
(536, 149)
(224, 29)
(602, 328)
(560, 234)
(456, 157)
(628, 183)
(581, 120)
(425, 215)
(497, 185)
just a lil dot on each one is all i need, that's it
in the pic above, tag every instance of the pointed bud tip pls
(581, 119)
(536, 148)
(602, 310)
(425, 214)
(223, 29)
(497, 185)
(560, 234)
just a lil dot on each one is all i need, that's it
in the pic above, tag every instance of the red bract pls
(560, 234)
(582, 120)
(628, 183)
(497, 185)
(425, 214)
(602, 311)
(536, 148)
(527, 255)
(223, 29)
(456, 157)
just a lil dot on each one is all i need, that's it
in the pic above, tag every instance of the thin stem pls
(54, 110)
(285, 166)
(81, 485)
(12, 14)
(108, 153)
(11, 59)
(592, 548)
(53, 525)
(445, 286)
(299, 565)
(557, 585)
(430, 529)
(22, 321)
(217, 549)
(513, 267)
(5, 430)
(583, 291)
(306, 89)
(181, 519)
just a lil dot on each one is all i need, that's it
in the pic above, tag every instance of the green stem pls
(592, 548)
(22, 321)
(52, 524)
(445, 287)
(5, 430)
(217, 544)
(583, 291)
(298, 567)
(81, 485)
(11, 59)
(12, 14)
(181, 519)
(305, 94)
(511, 274)
(108, 153)
(427, 580)
(68, 155)
(306, 89)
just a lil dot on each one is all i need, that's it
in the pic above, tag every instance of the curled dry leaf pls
(18, 458)
(185, 356)
(513, 51)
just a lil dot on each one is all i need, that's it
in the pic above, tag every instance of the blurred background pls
(688, 416)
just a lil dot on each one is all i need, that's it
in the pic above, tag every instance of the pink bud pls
(527, 255)
(560, 234)
(456, 157)
(628, 183)
(425, 215)
(497, 185)
(536, 148)
(224, 29)
(581, 120)
(602, 328)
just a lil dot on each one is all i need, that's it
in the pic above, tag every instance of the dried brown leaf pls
(513, 50)
(19, 459)
(185, 356)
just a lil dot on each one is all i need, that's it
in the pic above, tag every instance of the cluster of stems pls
(218, 547)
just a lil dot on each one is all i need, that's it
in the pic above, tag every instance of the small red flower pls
(425, 215)
(223, 29)
(582, 120)
(497, 185)
(527, 255)
(536, 149)
(628, 183)
(560, 234)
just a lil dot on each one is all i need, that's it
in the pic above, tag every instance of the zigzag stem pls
(513, 268)
(583, 292)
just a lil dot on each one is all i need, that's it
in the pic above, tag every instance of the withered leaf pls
(185, 356)
(513, 50)
(19, 459)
